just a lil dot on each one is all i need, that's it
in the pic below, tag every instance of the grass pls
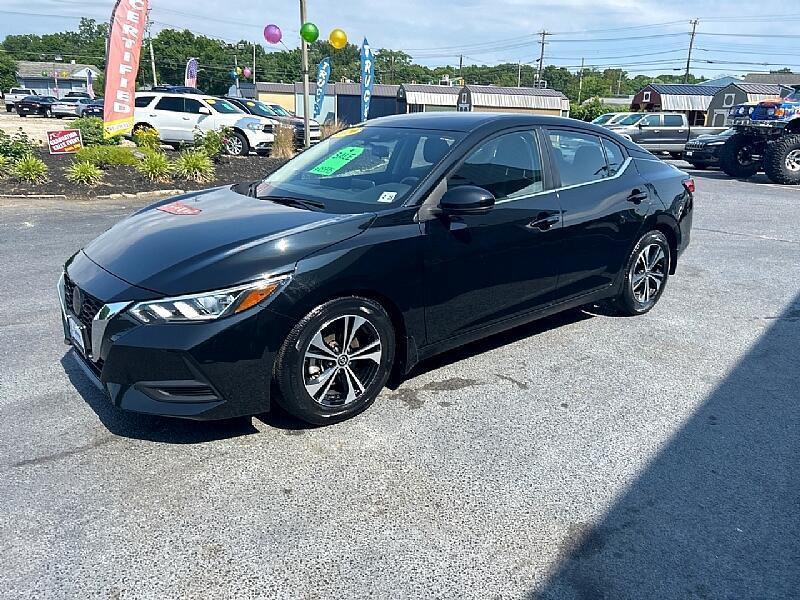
(155, 166)
(84, 173)
(194, 165)
(283, 144)
(30, 169)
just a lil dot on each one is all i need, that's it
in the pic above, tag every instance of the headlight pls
(255, 126)
(207, 306)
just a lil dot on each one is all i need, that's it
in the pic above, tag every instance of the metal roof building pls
(489, 98)
(739, 93)
(54, 78)
(789, 79)
(693, 100)
(420, 97)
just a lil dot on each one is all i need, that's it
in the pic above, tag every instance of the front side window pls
(508, 166)
(651, 121)
(192, 106)
(142, 101)
(579, 157)
(170, 103)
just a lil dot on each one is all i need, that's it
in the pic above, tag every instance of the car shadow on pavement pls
(716, 514)
(719, 175)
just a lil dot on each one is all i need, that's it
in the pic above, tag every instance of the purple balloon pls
(273, 34)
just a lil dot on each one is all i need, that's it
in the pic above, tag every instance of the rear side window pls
(614, 157)
(673, 121)
(509, 166)
(579, 157)
(170, 103)
(142, 101)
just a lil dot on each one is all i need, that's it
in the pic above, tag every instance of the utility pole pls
(304, 48)
(519, 73)
(580, 83)
(619, 83)
(152, 55)
(254, 67)
(691, 46)
(461, 69)
(544, 34)
(236, 70)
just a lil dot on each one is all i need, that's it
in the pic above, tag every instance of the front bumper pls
(704, 156)
(259, 140)
(200, 370)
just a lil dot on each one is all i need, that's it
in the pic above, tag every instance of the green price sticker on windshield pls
(336, 161)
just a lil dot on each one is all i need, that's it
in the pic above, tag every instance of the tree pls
(8, 71)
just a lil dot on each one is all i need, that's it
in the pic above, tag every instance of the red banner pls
(64, 141)
(128, 23)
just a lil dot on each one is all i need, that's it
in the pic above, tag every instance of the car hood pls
(223, 238)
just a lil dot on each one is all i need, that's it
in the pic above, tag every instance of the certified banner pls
(323, 75)
(367, 77)
(190, 77)
(128, 22)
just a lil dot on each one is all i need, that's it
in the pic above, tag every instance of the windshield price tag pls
(336, 161)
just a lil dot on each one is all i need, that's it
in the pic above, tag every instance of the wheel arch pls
(669, 227)
(793, 127)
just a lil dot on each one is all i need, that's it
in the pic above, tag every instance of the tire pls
(735, 157)
(59, 116)
(21, 115)
(237, 145)
(652, 258)
(48, 113)
(9, 108)
(299, 373)
(782, 160)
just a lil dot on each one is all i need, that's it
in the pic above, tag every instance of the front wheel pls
(736, 156)
(336, 360)
(236, 144)
(782, 160)
(48, 113)
(646, 274)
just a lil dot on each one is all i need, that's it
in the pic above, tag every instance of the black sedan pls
(384, 244)
(36, 105)
(94, 109)
(703, 151)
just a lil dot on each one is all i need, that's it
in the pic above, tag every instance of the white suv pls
(177, 117)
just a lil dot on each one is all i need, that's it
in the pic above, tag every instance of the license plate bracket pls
(77, 334)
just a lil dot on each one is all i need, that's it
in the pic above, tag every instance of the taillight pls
(689, 185)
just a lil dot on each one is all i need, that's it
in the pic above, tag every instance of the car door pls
(192, 119)
(675, 132)
(484, 268)
(167, 116)
(604, 202)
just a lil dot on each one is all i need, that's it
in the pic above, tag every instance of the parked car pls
(94, 108)
(610, 118)
(36, 105)
(71, 107)
(255, 107)
(177, 117)
(177, 89)
(280, 110)
(77, 95)
(768, 136)
(703, 151)
(389, 243)
(662, 131)
(15, 94)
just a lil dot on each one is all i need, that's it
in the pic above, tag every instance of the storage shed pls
(490, 98)
(739, 93)
(54, 78)
(693, 100)
(348, 101)
(788, 79)
(277, 93)
(418, 97)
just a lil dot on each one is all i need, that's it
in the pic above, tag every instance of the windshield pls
(259, 108)
(631, 119)
(361, 169)
(602, 119)
(221, 106)
(280, 110)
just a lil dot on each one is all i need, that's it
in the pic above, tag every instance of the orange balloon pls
(338, 39)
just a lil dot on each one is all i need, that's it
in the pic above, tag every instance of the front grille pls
(760, 113)
(90, 307)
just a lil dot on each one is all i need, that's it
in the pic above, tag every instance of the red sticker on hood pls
(179, 208)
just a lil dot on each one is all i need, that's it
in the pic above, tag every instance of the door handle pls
(637, 197)
(656, 131)
(152, 115)
(185, 118)
(545, 223)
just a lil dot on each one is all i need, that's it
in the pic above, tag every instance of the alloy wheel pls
(342, 360)
(745, 155)
(793, 161)
(234, 145)
(648, 273)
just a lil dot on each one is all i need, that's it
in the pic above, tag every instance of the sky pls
(641, 36)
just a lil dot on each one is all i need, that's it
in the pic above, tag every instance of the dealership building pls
(54, 78)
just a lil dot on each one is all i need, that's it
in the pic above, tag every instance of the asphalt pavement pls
(581, 457)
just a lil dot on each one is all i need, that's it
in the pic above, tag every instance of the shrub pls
(147, 138)
(211, 142)
(194, 165)
(155, 166)
(15, 146)
(283, 144)
(30, 169)
(92, 132)
(328, 128)
(5, 166)
(107, 156)
(84, 173)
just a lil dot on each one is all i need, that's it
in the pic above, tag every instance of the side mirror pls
(466, 200)
(204, 111)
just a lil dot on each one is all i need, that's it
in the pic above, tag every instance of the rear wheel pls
(736, 156)
(236, 144)
(335, 361)
(782, 160)
(646, 274)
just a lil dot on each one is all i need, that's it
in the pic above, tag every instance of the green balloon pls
(309, 32)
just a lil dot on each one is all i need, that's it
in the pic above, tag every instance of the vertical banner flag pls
(90, 83)
(367, 78)
(323, 75)
(190, 78)
(128, 21)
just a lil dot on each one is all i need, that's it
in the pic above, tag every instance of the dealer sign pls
(64, 141)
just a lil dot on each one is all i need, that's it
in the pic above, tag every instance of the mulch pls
(127, 180)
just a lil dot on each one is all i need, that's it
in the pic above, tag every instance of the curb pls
(144, 195)
(119, 196)
(33, 196)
